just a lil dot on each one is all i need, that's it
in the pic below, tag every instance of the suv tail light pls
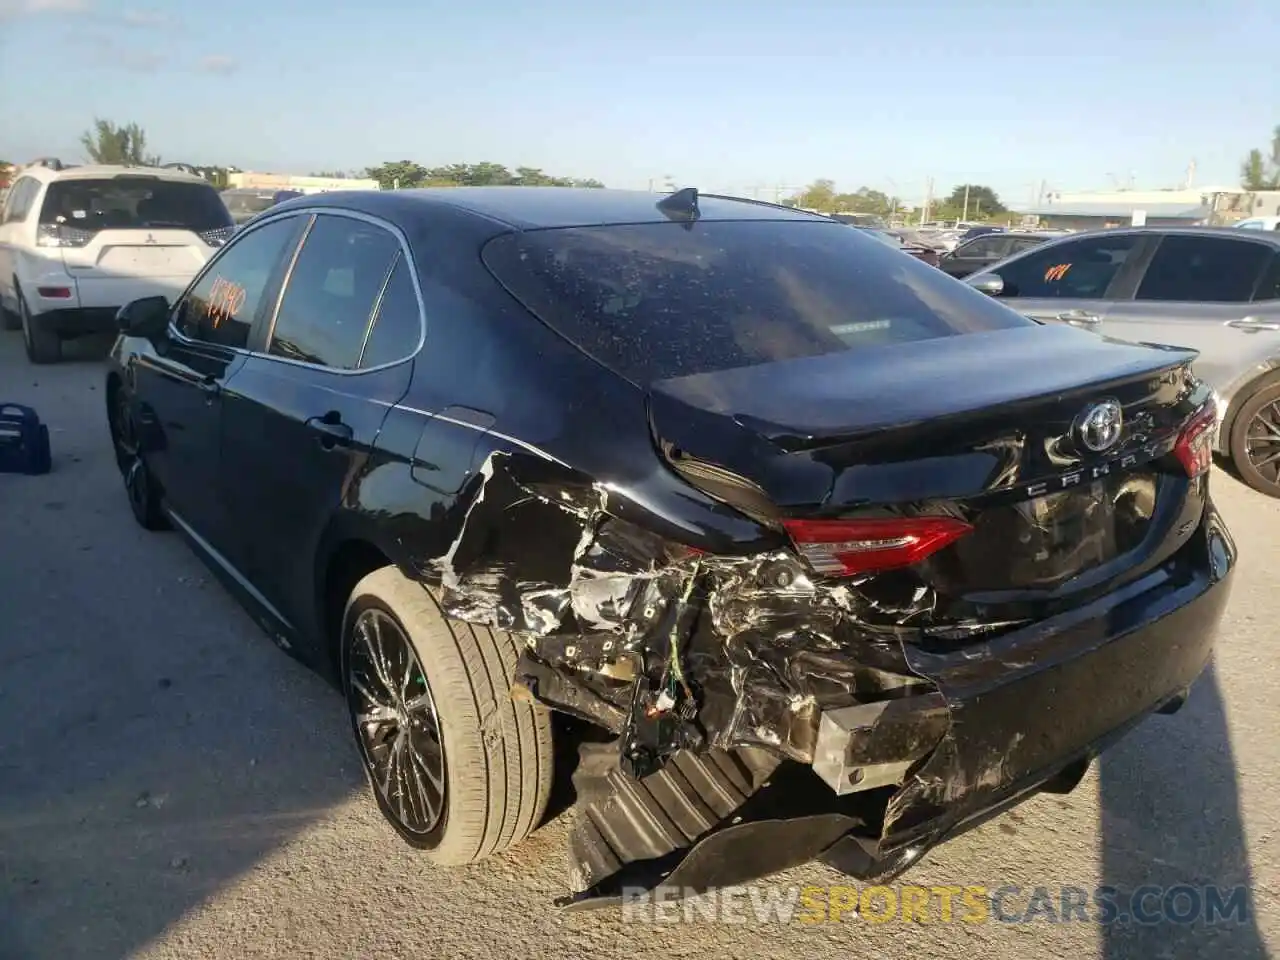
(847, 547)
(1194, 448)
(61, 235)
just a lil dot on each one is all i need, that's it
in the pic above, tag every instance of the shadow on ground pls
(1171, 817)
(156, 745)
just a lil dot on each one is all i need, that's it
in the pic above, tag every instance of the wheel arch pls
(1262, 378)
(349, 552)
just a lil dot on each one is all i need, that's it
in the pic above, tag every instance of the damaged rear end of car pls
(972, 551)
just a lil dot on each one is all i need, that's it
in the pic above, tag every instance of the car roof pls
(102, 171)
(1228, 232)
(531, 208)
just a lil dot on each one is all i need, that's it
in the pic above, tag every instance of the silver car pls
(1215, 290)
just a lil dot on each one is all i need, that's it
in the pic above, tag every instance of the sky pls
(726, 96)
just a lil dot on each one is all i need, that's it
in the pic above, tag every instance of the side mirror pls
(147, 317)
(988, 283)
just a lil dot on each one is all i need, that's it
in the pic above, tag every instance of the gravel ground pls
(172, 786)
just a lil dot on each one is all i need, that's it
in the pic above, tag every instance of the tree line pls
(405, 174)
(110, 143)
(126, 144)
(822, 195)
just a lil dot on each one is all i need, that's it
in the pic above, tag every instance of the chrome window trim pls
(313, 213)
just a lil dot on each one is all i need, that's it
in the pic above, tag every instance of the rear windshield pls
(652, 301)
(134, 203)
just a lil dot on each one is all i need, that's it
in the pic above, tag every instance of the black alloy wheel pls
(1262, 441)
(1255, 440)
(396, 724)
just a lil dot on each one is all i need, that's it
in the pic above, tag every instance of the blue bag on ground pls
(24, 441)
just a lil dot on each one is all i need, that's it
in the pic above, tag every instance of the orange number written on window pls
(226, 299)
(1056, 272)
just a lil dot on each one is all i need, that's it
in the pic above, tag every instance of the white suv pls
(77, 243)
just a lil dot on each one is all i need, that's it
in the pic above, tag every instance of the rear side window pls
(659, 300)
(18, 203)
(221, 307)
(1269, 286)
(1078, 269)
(1024, 243)
(981, 248)
(1203, 270)
(397, 325)
(332, 291)
(131, 202)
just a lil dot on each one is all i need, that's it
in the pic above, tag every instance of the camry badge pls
(1099, 426)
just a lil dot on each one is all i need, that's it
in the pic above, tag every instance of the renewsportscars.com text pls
(972, 904)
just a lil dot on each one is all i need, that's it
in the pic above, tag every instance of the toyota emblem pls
(1099, 425)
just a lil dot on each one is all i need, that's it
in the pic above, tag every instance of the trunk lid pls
(139, 253)
(987, 428)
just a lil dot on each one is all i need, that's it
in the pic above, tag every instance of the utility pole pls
(928, 200)
(964, 215)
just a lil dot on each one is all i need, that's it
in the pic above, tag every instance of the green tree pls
(819, 195)
(125, 144)
(398, 174)
(982, 200)
(1259, 172)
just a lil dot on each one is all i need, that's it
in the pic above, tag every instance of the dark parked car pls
(979, 231)
(1210, 289)
(821, 554)
(981, 252)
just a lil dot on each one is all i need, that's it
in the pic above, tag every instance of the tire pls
(43, 346)
(146, 501)
(1258, 419)
(494, 753)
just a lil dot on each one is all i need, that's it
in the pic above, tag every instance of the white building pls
(283, 181)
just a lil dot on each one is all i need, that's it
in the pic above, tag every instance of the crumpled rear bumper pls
(1025, 712)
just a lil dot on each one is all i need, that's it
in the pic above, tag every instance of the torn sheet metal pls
(682, 654)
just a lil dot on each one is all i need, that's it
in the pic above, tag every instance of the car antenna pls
(681, 206)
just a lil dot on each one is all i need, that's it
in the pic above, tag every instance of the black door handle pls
(331, 430)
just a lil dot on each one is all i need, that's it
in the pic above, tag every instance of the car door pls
(302, 415)
(178, 385)
(1070, 281)
(1199, 291)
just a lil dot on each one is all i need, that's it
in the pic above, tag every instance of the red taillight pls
(1194, 449)
(846, 547)
(54, 293)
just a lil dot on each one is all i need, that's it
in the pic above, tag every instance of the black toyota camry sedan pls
(811, 551)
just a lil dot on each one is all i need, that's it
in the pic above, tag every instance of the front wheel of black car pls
(145, 500)
(1255, 441)
(458, 767)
